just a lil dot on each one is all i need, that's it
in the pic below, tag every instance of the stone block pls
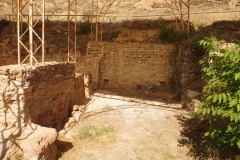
(5, 71)
(72, 120)
(15, 73)
(11, 89)
(77, 116)
(40, 144)
(75, 107)
(1, 104)
(27, 89)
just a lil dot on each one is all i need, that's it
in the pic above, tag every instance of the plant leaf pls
(238, 107)
(215, 98)
(208, 110)
(220, 98)
(209, 98)
(224, 97)
(238, 143)
(206, 134)
(233, 102)
(237, 76)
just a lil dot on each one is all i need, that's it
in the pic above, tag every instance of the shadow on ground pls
(63, 146)
(200, 147)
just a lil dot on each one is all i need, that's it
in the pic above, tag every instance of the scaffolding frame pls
(18, 18)
(30, 49)
(72, 31)
(185, 15)
(98, 16)
(14, 15)
(180, 9)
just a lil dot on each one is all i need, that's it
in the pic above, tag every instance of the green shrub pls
(114, 33)
(170, 34)
(83, 28)
(24, 27)
(139, 86)
(196, 37)
(220, 104)
(4, 23)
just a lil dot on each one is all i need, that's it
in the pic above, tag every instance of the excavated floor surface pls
(135, 129)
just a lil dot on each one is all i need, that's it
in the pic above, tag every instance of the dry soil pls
(140, 130)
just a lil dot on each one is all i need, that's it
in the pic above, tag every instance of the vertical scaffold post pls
(94, 20)
(18, 30)
(98, 16)
(72, 30)
(32, 33)
(185, 12)
(14, 16)
(188, 16)
(43, 30)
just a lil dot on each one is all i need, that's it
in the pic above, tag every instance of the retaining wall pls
(126, 65)
(37, 95)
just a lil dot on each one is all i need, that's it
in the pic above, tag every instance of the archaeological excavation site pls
(119, 80)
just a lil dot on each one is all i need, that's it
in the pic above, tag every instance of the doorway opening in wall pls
(105, 82)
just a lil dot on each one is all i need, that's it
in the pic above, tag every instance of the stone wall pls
(37, 95)
(127, 65)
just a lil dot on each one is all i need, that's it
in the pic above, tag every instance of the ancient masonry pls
(129, 64)
(32, 99)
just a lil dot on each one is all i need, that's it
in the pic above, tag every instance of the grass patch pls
(93, 132)
(18, 156)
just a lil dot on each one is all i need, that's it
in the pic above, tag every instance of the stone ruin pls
(35, 103)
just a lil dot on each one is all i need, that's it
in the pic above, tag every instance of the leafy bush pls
(139, 86)
(83, 28)
(114, 33)
(170, 34)
(221, 100)
(4, 23)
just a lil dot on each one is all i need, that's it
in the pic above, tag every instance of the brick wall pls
(126, 65)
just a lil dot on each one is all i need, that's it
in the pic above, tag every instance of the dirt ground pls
(132, 129)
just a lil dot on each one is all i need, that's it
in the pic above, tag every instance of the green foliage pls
(83, 28)
(4, 23)
(24, 27)
(193, 127)
(114, 33)
(18, 156)
(195, 38)
(170, 34)
(221, 100)
(139, 86)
